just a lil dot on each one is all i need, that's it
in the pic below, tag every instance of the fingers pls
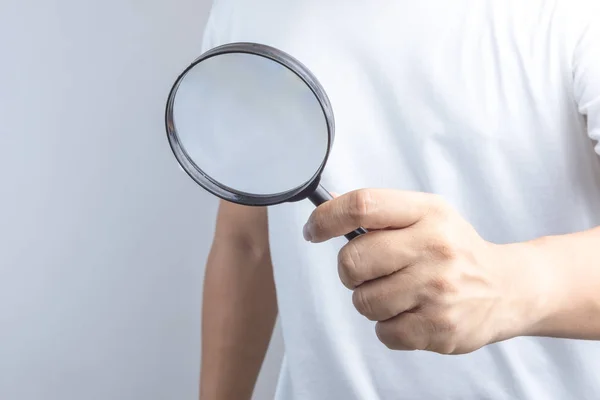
(419, 331)
(375, 255)
(372, 209)
(385, 276)
(407, 331)
(384, 298)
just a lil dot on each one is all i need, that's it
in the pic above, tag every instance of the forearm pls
(570, 285)
(239, 312)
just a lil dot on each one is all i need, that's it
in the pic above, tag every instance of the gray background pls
(103, 239)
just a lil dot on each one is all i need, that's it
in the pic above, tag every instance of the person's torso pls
(469, 99)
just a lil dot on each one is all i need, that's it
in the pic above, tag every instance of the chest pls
(466, 61)
(418, 86)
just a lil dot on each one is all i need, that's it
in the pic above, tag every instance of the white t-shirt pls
(494, 104)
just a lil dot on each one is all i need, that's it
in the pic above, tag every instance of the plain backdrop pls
(103, 239)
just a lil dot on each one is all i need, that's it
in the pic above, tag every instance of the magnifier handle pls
(320, 196)
(355, 233)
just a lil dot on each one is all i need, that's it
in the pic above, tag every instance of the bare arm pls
(575, 301)
(239, 305)
(573, 273)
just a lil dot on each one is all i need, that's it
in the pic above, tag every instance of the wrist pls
(574, 309)
(532, 287)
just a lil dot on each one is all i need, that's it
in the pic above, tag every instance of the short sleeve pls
(208, 36)
(586, 69)
(217, 30)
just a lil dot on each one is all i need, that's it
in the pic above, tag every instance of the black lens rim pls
(218, 189)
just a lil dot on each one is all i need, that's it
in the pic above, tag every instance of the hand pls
(425, 275)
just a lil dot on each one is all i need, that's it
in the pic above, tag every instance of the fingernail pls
(306, 232)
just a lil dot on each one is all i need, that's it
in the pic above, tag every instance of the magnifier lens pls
(250, 124)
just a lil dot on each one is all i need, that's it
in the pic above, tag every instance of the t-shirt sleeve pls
(586, 70)
(217, 30)
(208, 35)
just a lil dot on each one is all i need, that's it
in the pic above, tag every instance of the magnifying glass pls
(252, 125)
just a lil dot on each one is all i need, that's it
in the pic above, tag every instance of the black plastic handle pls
(320, 196)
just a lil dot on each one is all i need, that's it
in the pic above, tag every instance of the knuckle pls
(362, 303)
(413, 342)
(445, 325)
(445, 332)
(348, 265)
(445, 347)
(442, 326)
(440, 285)
(404, 336)
(361, 205)
(394, 345)
(442, 247)
(384, 336)
(423, 331)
